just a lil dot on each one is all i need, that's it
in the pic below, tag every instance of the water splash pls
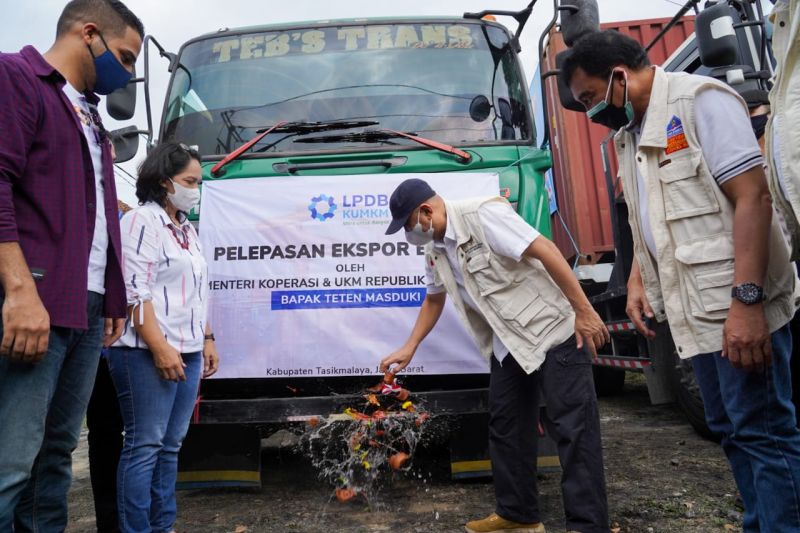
(356, 451)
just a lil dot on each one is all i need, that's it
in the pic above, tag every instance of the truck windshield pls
(455, 83)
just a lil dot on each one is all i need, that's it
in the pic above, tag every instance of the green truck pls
(344, 98)
(444, 96)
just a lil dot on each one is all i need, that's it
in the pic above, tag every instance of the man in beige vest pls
(783, 134)
(710, 258)
(526, 311)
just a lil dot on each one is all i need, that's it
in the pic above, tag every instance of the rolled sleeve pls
(19, 118)
(430, 282)
(140, 255)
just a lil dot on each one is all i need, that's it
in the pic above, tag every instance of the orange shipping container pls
(578, 173)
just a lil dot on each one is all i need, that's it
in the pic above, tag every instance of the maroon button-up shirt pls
(47, 189)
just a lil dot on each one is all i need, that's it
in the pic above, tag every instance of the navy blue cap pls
(408, 196)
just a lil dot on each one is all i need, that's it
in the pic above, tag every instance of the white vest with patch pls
(689, 283)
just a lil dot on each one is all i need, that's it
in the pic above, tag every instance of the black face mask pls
(610, 115)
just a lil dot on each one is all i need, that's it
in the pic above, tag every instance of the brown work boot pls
(495, 523)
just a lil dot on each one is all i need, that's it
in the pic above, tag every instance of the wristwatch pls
(748, 293)
(210, 337)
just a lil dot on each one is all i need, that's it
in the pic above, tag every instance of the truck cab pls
(345, 99)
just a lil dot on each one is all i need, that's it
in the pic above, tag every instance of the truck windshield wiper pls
(374, 136)
(291, 128)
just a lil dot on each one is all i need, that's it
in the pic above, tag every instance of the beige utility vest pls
(518, 301)
(784, 99)
(690, 281)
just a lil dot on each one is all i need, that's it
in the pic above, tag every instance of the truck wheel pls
(687, 393)
(608, 381)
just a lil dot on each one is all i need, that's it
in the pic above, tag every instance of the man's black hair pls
(597, 53)
(164, 162)
(111, 16)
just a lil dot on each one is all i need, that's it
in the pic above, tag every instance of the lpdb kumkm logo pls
(322, 207)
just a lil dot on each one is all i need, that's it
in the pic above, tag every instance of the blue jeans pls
(41, 411)
(754, 414)
(156, 414)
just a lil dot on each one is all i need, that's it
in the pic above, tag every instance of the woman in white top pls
(167, 345)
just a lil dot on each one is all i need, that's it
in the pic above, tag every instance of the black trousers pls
(565, 380)
(105, 445)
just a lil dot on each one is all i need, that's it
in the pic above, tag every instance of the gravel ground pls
(661, 477)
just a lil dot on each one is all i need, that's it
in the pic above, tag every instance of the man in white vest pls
(526, 311)
(710, 258)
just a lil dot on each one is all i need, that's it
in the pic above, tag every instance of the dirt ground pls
(661, 477)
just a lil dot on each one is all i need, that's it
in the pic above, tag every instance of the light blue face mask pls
(110, 75)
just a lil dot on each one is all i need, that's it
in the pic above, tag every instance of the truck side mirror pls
(564, 94)
(480, 108)
(126, 143)
(718, 43)
(578, 17)
(121, 104)
(716, 35)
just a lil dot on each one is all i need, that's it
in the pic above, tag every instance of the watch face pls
(749, 293)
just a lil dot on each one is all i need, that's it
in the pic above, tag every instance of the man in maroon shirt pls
(60, 267)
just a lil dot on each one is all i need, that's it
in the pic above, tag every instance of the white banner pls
(304, 283)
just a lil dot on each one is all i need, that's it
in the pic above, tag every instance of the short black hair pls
(597, 54)
(162, 163)
(111, 16)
